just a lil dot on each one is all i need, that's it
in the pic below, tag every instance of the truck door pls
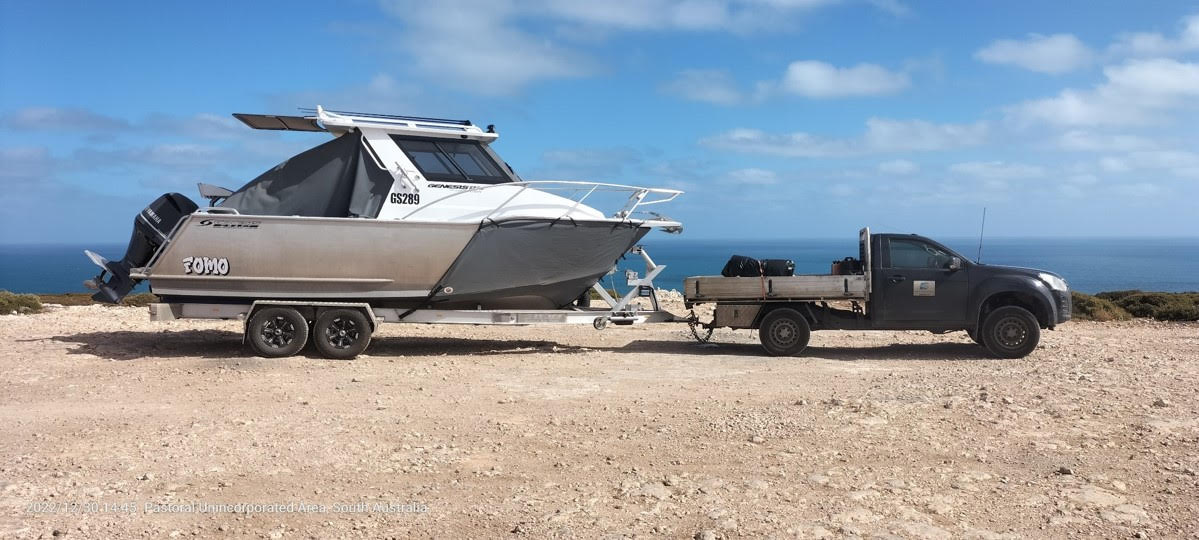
(917, 286)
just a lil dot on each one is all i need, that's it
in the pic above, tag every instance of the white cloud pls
(473, 45)
(881, 136)
(898, 167)
(1148, 44)
(62, 118)
(1089, 141)
(842, 190)
(1136, 92)
(997, 170)
(1114, 165)
(489, 46)
(1054, 54)
(817, 79)
(753, 176)
(706, 85)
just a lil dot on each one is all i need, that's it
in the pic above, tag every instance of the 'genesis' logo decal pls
(230, 224)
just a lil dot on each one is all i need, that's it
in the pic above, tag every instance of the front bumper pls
(1061, 300)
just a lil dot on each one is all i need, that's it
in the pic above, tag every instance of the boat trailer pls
(620, 311)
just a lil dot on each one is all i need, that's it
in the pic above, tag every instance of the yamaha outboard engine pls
(151, 228)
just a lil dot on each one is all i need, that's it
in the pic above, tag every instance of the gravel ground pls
(112, 426)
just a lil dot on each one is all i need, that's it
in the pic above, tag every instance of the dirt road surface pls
(112, 426)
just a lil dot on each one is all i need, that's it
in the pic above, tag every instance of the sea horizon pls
(1090, 264)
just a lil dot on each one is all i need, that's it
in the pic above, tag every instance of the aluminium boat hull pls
(512, 264)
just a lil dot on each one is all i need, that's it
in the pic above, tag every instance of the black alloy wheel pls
(276, 332)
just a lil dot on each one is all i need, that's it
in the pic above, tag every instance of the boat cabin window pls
(452, 161)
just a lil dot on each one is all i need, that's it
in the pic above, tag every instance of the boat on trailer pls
(396, 219)
(395, 211)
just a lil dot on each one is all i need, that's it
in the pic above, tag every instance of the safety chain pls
(693, 324)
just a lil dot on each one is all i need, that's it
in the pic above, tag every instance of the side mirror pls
(955, 263)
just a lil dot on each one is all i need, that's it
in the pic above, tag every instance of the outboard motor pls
(151, 228)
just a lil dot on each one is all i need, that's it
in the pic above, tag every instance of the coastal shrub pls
(85, 299)
(19, 303)
(1095, 308)
(139, 299)
(67, 299)
(1160, 306)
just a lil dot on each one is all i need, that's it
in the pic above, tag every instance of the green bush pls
(20, 303)
(1096, 308)
(1158, 305)
(139, 299)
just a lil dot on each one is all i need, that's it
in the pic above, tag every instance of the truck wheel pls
(275, 332)
(341, 333)
(1010, 332)
(784, 332)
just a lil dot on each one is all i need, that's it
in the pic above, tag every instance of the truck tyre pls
(784, 332)
(1010, 332)
(276, 332)
(341, 333)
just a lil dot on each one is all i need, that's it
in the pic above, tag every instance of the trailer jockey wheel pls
(275, 332)
(784, 332)
(341, 333)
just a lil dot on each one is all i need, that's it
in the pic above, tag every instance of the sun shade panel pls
(279, 123)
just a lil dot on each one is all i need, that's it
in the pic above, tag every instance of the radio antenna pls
(981, 228)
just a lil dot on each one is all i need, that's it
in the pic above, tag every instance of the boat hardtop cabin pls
(417, 168)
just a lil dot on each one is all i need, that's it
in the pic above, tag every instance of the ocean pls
(1089, 264)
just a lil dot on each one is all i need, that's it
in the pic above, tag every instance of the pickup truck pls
(906, 282)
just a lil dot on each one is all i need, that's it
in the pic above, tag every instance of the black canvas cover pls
(742, 266)
(335, 179)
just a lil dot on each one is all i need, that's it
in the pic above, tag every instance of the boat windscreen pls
(452, 161)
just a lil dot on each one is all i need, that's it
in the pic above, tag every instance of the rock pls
(1065, 471)
(1130, 514)
(147, 476)
(757, 439)
(706, 534)
(1160, 403)
(655, 490)
(1096, 496)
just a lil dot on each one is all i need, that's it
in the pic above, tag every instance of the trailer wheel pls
(1010, 332)
(275, 332)
(784, 332)
(341, 333)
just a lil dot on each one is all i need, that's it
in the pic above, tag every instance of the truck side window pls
(916, 254)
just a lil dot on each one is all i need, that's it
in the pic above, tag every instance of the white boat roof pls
(338, 122)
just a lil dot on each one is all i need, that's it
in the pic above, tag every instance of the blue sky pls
(780, 118)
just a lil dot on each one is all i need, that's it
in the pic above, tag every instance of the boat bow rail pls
(576, 192)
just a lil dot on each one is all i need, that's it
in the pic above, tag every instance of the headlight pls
(1055, 283)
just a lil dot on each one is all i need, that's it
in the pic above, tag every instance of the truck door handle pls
(898, 278)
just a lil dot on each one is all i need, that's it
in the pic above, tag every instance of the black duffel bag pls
(778, 267)
(742, 266)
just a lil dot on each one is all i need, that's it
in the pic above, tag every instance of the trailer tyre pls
(784, 332)
(341, 333)
(276, 332)
(1010, 332)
